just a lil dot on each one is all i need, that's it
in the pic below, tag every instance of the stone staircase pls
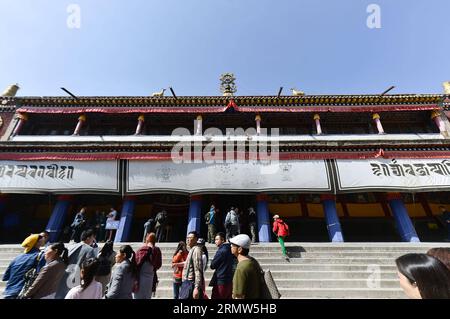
(315, 270)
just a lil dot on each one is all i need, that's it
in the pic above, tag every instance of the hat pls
(276, 216)
(242, 241)
(30, 242)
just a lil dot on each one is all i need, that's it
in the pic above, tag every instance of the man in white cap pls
(247, 277)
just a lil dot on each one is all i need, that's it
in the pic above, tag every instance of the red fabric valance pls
(221, 109)
(283, 156)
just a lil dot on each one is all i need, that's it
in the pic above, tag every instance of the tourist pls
(161, 219)
(46, 283)
(205, 255)
(111, 218)
(148, 227)
(44, 242)
(156, 260)
(178, 259)
(222, 263)
(423, 277)
(124, 275)
(281, 230)
(106, 260)
(252, 221)
(15, 273)
(78, 225)
(441, 253)
(89, 287)
(232, 223)
(77, 255)
(210, 220)
(247, 277)
(145, 270)
(193, 274)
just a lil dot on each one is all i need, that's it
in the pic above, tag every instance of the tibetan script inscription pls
(419, 169)
(34, 171)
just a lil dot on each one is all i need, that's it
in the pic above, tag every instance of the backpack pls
(285, 227)
(160, 218)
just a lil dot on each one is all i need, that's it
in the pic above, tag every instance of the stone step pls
(323, 293)
(326, 247)
(283, 273)
(263, 254)
(305, 261)
(293, 261)
(307, 293)
(314, 283)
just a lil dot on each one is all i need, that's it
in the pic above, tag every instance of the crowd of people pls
(103, 224)
(82, 272)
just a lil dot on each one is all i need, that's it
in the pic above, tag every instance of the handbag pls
(268, 286)
(186, 290)
(187, 286)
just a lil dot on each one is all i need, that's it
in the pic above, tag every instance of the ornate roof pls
(213, 104)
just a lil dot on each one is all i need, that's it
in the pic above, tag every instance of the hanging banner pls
(393, 175)
(163, 176)
(59, 176)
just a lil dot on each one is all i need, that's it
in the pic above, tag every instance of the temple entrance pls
(148, 206)
(223, 203)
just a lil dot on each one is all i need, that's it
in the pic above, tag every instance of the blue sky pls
(137, 47)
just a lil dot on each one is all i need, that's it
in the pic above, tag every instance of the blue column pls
(332, 218)
(58, 218)
(126, 218)
(262, 211)
(405, 227)
(195, 214)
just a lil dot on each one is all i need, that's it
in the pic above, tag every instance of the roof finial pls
(227, 85)
(11, 90)
(446, 86)
(160, 93)
(296, 92)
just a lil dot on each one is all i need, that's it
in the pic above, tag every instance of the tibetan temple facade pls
(335, 167)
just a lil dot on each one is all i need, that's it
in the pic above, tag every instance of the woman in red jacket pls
(178, 260)
(281, 230)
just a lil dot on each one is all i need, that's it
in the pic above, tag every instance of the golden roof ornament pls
(11, 90)
(227, 85)
(446, 86)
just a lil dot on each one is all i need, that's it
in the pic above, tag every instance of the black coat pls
(223, 264)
